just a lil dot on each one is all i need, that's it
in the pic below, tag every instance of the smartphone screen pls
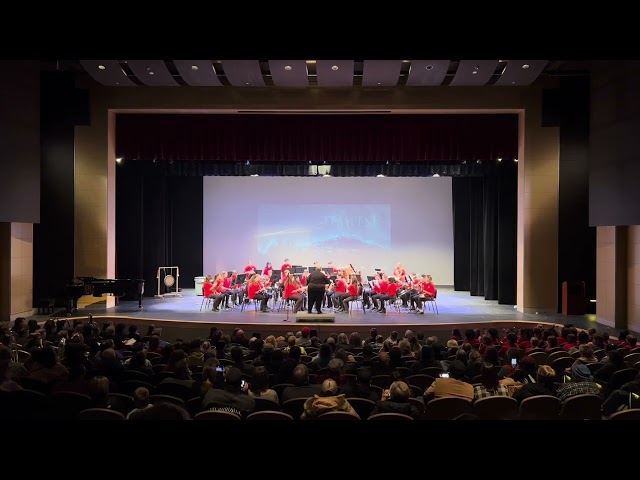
(514, 362)
(218, 369)
(444, 375)
(242, 383)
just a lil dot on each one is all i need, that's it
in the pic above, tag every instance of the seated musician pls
(305, 274)
(368, 291)
(339, 289)
(392, 290)
(350, 295)
(419, 296)
(381, 291)
(293, 290)
(207, 286)
(220, 292)
(285, 266)
(257, 291)
(399, 272)
(268, 270)
(230, 283)
(429, 288)
(250, 269)
(409, 290)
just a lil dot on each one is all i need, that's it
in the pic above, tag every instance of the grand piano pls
(118, 287)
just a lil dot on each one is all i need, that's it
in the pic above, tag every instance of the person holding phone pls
(452, 386)
(232, 397)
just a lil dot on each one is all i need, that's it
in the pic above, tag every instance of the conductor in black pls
(316, 282)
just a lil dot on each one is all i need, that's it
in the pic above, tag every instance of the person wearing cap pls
(303, 340)
(327, 401)
(452, 386)
(582, 383)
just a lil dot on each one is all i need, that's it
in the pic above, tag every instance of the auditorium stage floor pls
(454, 308)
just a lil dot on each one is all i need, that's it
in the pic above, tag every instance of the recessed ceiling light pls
(194, 67)
(513, 83)
(379, 83)
(334, 68)
(247, 83)
(102, 67)
(119, 159)
(287, 67)
(117, 83)
(515, 160)
(150, 73)
(148, 69)
(429, 67)
(525, 66)
(474, 72)
(499, 159)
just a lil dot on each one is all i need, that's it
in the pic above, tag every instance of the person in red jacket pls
(207, 286)
(381, 290)
(392, 290)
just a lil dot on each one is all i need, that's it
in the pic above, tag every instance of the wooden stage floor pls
(182, 316)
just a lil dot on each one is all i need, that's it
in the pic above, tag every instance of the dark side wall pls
(62, 108)
(568, 108)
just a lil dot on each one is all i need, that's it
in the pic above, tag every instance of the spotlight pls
(499, 159)
(515, 160)
(310, 162)
(119, 159)
(478, 161)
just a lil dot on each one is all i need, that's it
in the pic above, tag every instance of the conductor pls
(316, 282)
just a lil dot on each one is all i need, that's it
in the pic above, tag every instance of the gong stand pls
(170, 277)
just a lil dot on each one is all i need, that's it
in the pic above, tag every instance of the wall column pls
(538, 169)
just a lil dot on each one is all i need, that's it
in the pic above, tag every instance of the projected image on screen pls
(289, 230)
(370, 223)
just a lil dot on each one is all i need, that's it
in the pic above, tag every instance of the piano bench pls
(46, 306)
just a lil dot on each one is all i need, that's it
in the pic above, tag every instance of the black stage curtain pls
(317, 138)
(485, 220)
(158, 224)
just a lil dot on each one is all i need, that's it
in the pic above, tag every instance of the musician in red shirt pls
(293, 290)
(399, 272)
(382, 293)
(221, 293)
(285, 266)
(250, 269)
(350, 295)
(303, 280)
(339, 290)
(207, 286)
(268, 270)
(257, 291)
(429, 288)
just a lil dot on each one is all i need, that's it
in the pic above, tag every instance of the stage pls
(182, 317)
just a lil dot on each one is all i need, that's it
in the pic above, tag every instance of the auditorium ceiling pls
(319, 73)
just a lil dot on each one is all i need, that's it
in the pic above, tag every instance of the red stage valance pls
(316, 138)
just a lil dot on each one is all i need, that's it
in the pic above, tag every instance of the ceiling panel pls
(153, 73)
(384, 73)
(289, 73)
(465, 76)
(335, 73)
(243, 73)
(107, 72)
(199, 73)
(427, 72)
(521, 72)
